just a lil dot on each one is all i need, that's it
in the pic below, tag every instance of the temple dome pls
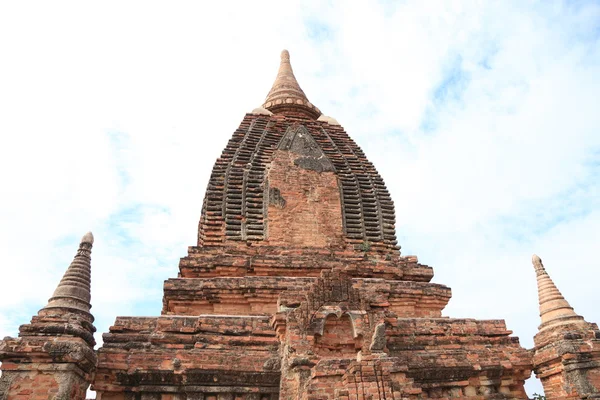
(291, 176)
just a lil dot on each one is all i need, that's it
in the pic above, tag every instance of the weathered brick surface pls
(449, 356)
(33, 385)
(164, 354)
(307, 209)
(263, 295)
(241, 259)
(45, 368)
(336, 351)
(567, 361)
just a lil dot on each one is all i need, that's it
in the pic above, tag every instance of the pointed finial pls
(286, 96)
(88, 238)
(74, 290)
(554, 309)
(537, 264)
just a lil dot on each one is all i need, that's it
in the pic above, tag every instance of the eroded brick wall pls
(567, 360)
(33, 385)
(304, 205)
(40, 385)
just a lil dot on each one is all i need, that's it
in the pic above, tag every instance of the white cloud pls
(480, 116)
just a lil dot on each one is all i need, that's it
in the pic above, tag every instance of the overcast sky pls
(482, 117)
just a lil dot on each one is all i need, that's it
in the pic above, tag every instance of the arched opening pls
(337, 338)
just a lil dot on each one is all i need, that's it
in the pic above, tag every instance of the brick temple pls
(296, 289)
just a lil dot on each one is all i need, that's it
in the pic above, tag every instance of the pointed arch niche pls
(338, 337)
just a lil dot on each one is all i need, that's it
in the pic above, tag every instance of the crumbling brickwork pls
(304, 207)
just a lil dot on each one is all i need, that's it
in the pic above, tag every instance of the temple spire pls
(73, 291)
(286, 96)
(554, 308)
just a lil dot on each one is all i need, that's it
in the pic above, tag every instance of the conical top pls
(286, 96)
(73, 291)
(554, 309)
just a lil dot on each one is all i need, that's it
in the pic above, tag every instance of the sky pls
(481, 116)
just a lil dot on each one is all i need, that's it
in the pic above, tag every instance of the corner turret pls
(54, 357)
(566, 356)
